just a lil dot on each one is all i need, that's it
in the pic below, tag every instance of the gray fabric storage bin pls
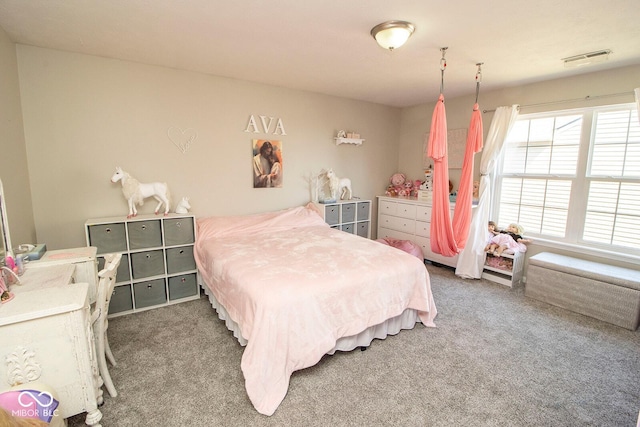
(178, 231)
(144, 234)
(183, 286)
(180, 259)
(362, 229)
(147, 264)
(332, 214)
(122, 275)
(108, 237)
(363, 211)
(121, 299)
(150, 293)
(347, 228)
(348, 212)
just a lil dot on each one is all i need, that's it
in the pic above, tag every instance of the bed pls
(292, 289)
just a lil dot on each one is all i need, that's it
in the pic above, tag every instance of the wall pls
(415, 122)
(85, 115)
(13, 156)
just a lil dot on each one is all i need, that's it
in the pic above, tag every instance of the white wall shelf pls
(354, 141)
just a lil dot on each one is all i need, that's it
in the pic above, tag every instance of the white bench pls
(598, 290)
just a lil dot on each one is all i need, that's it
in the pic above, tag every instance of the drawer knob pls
(181, 251)
(183, 279)
(108, 230)
(148, 256)
(178, 224)
(149, 286)
(144, 227)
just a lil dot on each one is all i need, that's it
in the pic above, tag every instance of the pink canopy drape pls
(462, 213)
(442, 239)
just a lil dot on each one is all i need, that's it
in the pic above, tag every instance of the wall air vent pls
(586, 58)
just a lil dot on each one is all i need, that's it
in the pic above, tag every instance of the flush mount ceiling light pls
(586, 58)
(392, 34)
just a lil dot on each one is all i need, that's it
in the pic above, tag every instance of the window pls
(574, 177)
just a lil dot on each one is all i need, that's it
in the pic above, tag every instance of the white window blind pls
(574, 176)
(613, 207)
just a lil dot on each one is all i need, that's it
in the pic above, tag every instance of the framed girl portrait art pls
(267, 164)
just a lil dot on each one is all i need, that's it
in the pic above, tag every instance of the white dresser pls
(47, 337)
(409, 219)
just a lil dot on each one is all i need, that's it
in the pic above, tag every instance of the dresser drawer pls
(180, 259)
(147, 264)
(387, 207)
(406, 210)
(178, 231)
(423, 228)
(121, 299)
(149, 293)
(423, 213)
(396, 223)
(394, 234)
(183, 286)
(363, 211)
(108, 237)
(144, 234)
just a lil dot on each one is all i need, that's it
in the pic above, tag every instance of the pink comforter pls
(295, 286)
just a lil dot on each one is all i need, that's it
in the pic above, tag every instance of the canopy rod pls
(443, 66)
(478, 79)
(562, 101)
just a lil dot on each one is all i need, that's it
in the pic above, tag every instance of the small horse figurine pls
(135, 192)
(183, 206)
(339, 186)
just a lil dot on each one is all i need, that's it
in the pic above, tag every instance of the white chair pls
(106, 283)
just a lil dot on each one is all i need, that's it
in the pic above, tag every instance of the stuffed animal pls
(396, 185)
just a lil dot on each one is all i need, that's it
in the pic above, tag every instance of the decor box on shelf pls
(157, 267)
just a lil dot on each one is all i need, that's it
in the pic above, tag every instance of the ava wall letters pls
(266, 122)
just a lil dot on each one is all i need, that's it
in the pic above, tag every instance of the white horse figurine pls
(183, 206)
(339, 186)
(135, 192)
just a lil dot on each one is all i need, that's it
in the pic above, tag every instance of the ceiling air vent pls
(586, 58)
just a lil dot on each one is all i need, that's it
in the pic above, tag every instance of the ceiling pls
(325, 46)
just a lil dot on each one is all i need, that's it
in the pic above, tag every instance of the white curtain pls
(471, 259)
(636, 91)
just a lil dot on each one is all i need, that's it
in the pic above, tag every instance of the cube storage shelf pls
(352, 216)
(507, 269)
(158, 266)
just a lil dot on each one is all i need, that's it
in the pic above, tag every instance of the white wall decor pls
(182, 138)
(252, 126)
(456, 140)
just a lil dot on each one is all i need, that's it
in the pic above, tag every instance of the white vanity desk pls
(47, 337)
